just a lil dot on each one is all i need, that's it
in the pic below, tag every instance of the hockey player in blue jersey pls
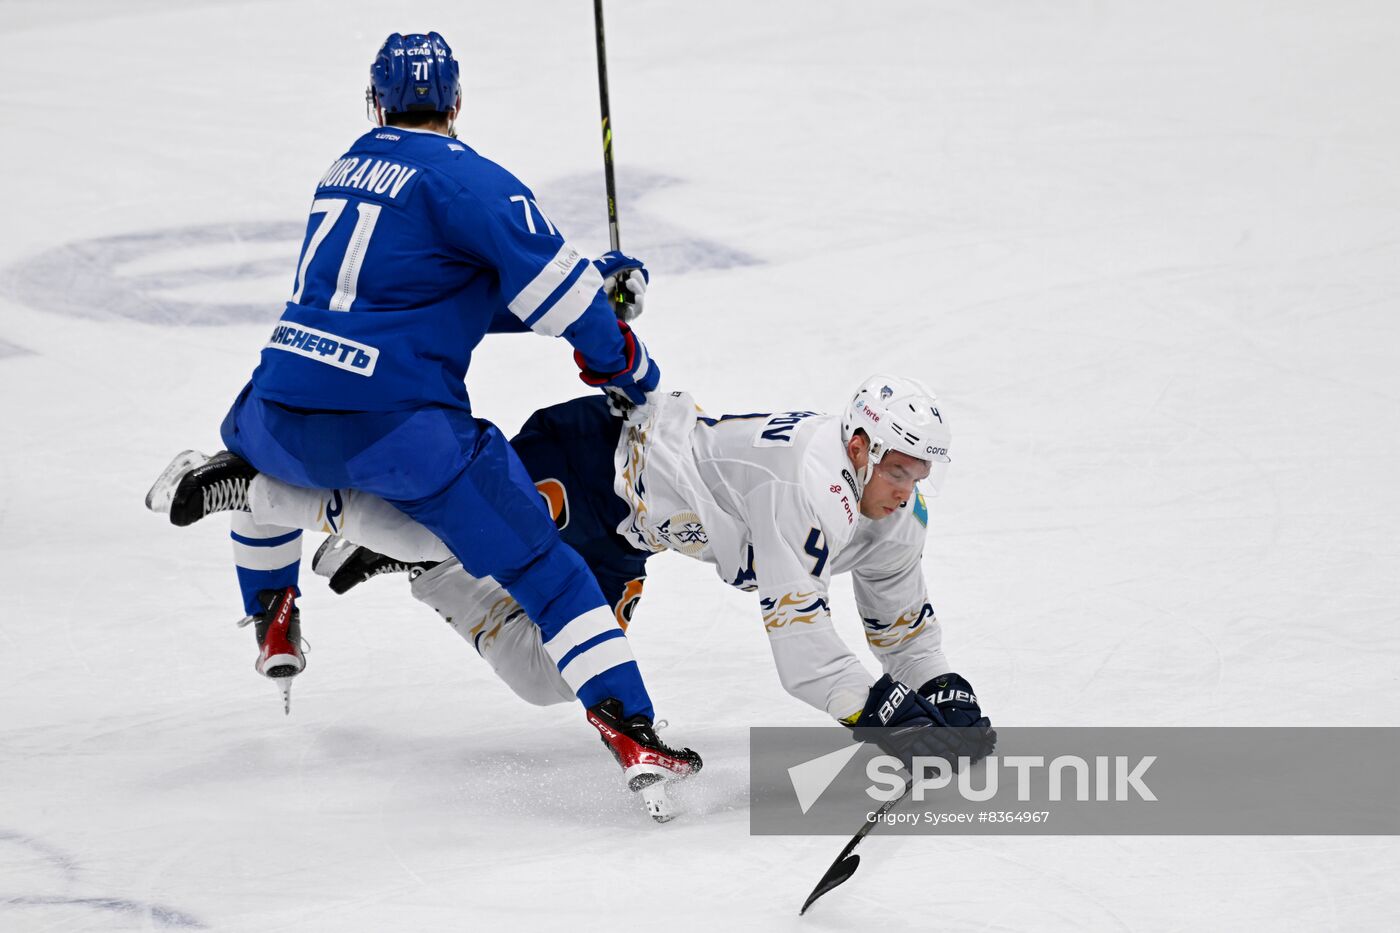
(416, 247)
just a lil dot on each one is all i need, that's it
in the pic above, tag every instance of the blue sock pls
(267, 557)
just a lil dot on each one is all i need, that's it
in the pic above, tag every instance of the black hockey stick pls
(846, 863)
(613, 238)
(621, 297)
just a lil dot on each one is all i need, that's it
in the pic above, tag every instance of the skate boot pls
(648, 764)
(278, 629)
(194, 486)
(349, 564)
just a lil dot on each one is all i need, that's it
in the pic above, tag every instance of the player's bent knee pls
(492, 622)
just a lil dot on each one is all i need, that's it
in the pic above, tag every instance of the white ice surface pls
(1149, 253)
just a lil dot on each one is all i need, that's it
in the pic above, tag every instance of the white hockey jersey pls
(771, 501)
(768, 499)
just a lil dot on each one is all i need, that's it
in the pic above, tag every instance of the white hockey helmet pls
(899, 414)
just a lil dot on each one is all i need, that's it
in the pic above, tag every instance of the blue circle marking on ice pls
(51, 875)
(231, 273)
(242, 272)
(162, 916)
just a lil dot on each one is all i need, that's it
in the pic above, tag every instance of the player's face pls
(892, 484)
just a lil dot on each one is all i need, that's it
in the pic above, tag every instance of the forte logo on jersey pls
(845, 502)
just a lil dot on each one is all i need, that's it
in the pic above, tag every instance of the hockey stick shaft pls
(613, 237)
(846, 863)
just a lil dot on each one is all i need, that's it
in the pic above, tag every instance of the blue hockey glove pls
(906, 724)
(638, 375)
(624, 282)
(952, 696)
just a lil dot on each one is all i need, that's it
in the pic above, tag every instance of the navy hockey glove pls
(952, 695)
(624, 282)
(905, 724)
(638, 375)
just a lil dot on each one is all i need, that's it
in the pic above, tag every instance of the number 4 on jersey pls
(816, 548)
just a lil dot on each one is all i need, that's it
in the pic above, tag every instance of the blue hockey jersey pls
(414, 244)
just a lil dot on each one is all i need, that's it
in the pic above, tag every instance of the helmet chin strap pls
(873, 456)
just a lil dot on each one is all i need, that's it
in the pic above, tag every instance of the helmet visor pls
(908, 469)
(937, 471)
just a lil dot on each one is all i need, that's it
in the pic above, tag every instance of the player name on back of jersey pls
(380, 176)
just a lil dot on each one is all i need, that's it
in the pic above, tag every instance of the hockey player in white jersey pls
(776, 502)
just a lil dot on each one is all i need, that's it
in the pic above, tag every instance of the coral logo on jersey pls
(556, 500)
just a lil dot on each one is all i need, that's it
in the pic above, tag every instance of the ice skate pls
(348, 564)
(648, 764)
(193, 486)
(163, 489)
(278, 630)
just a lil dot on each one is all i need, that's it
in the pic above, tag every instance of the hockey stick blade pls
(847, 862)
(835, 876)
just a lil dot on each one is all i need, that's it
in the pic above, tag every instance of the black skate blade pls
(835, 876)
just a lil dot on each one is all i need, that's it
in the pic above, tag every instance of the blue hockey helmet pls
(413, 72)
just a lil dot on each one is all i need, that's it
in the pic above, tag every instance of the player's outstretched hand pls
(953, 696)
(624, 282)
(638, 375)
(907, 724)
